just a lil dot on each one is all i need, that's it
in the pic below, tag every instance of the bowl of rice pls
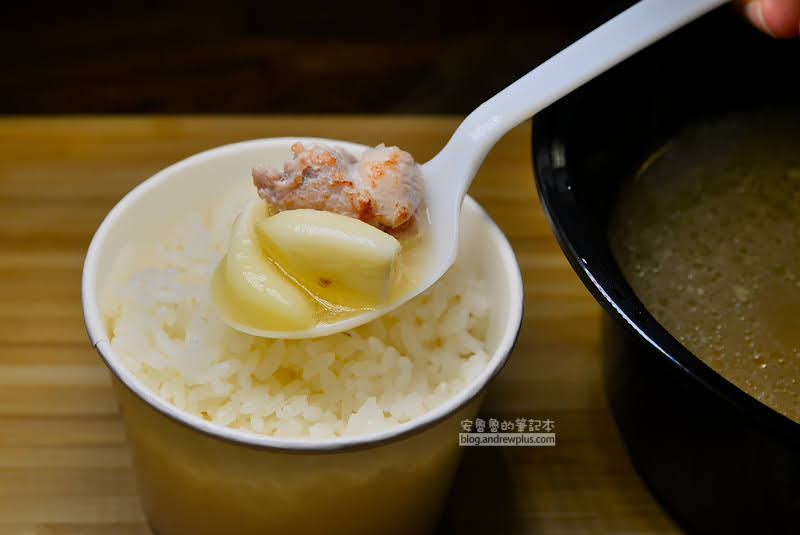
(355, 432)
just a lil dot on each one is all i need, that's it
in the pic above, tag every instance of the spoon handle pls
(632, 30)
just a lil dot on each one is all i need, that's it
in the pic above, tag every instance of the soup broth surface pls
(708, 236)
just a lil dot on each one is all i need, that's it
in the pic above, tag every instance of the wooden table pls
(64, 462)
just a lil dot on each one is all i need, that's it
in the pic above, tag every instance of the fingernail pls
(755, 15)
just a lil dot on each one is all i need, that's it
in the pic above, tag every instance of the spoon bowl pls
(441, 255)
(447, 175)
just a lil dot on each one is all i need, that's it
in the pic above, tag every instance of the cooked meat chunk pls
(383, 189)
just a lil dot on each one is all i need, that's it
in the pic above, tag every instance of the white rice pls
(164, 328)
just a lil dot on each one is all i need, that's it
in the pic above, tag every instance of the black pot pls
(717, 459)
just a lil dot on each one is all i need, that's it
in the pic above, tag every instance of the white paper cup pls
(201, 478)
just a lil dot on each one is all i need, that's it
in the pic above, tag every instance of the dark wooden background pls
(246, 56)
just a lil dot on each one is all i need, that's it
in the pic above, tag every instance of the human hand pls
(778, 18)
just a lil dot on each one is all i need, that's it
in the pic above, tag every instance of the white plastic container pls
(200, 478)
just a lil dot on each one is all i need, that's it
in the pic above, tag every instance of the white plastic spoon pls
(448, 175)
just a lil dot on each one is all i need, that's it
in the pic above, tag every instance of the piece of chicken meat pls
(384, 188)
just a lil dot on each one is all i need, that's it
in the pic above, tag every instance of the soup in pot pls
(708, 236)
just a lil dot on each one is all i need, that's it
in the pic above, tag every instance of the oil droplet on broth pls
(724, 199)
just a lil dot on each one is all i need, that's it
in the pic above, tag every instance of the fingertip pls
(781, 18)
(755, 14)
